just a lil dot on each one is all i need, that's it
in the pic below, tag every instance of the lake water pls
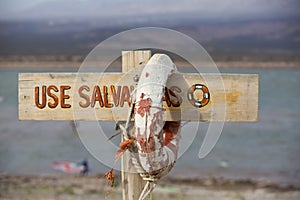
(268, 149)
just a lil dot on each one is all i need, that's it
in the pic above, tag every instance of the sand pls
(15, 187)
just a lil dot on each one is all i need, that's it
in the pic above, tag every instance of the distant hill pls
(267, 39)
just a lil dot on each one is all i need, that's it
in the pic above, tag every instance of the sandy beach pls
(16, 187)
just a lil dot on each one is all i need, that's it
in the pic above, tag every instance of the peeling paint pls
(143, 107)
(157, 140)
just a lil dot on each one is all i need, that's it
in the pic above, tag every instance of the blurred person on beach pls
(85, 169)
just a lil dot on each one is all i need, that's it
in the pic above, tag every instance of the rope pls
(125, 132)
(147, 190)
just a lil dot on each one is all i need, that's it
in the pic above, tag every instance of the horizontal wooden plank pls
(237, 102)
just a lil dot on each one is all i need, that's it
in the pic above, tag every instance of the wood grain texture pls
(132, 183)
(237, 101)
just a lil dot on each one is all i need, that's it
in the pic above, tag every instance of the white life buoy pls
(156, 140)
(196, 102)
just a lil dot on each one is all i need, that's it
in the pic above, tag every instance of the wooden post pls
(132, 183)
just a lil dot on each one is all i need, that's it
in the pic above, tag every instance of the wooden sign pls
(106, 96)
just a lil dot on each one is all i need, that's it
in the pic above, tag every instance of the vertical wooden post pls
(132, 183)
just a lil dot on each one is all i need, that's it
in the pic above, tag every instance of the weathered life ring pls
(156, 140)
(196, 102)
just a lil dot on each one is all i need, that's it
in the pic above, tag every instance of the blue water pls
(267, 149)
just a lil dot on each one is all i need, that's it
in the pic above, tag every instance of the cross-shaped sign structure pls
(188, 97)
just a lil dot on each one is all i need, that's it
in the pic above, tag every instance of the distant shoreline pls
(210, 182)
(75, 65)
(90, 187)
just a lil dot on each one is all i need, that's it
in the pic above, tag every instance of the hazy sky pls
(32, 9)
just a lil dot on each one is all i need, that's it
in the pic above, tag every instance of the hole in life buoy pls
(198, 95)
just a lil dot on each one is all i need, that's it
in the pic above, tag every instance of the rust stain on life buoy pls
(144, 107)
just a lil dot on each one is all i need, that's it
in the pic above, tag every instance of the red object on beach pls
(67, 167)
